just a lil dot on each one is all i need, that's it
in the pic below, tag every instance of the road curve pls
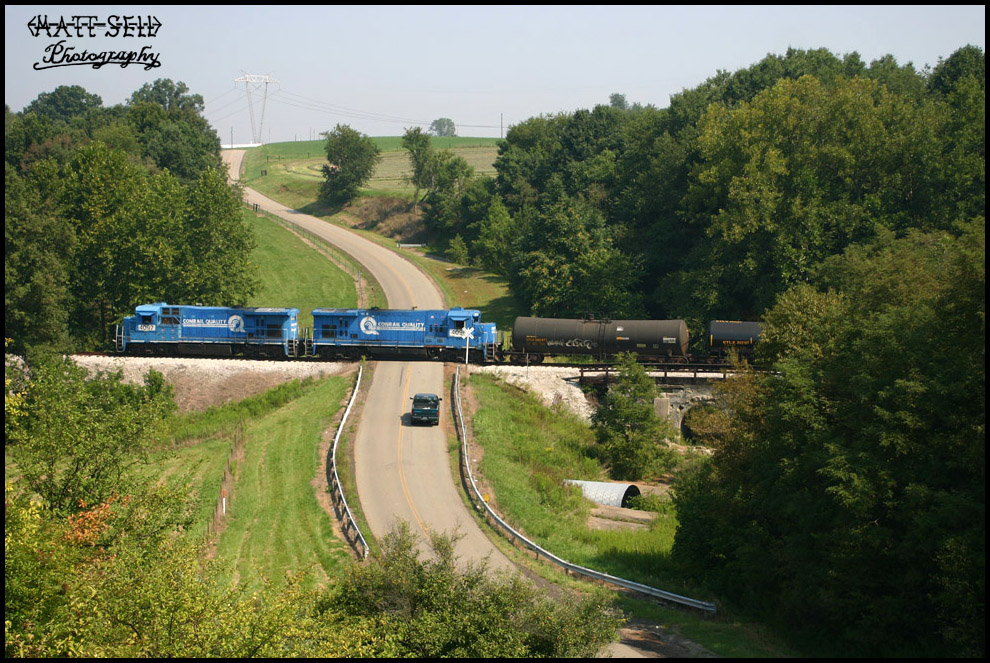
(403, 472)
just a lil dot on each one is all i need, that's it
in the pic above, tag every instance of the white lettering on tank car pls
(573, 343)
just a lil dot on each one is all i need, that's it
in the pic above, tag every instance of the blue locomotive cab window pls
(170, 316)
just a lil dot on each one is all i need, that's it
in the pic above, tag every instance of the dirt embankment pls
(203, 383)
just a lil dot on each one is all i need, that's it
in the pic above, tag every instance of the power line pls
(295, 100)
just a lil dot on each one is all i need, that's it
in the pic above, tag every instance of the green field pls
(276, 525)
(281, 168)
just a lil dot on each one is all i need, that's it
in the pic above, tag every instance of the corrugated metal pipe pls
(606, 494)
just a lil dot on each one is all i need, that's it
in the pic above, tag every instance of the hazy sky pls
(383, 69)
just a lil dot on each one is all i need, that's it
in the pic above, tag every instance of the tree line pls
(106, 208)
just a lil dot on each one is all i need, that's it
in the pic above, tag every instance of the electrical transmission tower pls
(256, 81)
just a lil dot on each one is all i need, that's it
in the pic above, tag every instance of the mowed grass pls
(275, 524)
(200, 445)
(292, 273)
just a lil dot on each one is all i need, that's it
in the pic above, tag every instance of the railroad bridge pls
(683, 387)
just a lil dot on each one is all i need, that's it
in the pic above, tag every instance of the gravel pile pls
(552, 385)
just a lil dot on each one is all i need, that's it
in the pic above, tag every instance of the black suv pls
(425, 409)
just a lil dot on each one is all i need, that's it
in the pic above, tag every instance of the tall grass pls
(529, 451)
(222, 419)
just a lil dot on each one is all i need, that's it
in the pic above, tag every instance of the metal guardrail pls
(476, 497)
(348, 523)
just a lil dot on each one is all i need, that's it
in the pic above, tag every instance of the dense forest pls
(105, 208)
(842, 203)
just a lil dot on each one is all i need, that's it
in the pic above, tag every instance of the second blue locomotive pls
(451, 335)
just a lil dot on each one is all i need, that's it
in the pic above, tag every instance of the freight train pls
(455, 334)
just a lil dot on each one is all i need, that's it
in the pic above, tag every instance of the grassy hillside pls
(279, 168)
(276, 525)
(275, 522)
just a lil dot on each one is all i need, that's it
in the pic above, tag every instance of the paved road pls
(403, 472)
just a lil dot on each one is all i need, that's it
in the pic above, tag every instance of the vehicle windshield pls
(420, 401)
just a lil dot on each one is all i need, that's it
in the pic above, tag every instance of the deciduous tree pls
(847, 490)
(444, 127)
(632, 439)
(80, 435)
(352, 158)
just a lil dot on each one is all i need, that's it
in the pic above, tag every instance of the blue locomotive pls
(213, 331)
(456, 334)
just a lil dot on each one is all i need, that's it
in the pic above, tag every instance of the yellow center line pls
(402, 477)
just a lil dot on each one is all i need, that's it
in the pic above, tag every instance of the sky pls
(383, 69)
